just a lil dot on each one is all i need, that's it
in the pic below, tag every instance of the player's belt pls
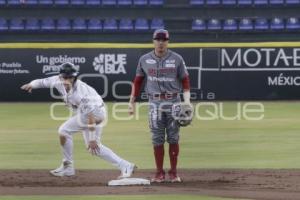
(159, 96)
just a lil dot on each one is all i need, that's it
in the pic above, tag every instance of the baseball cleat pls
(159, 177)
(65, 169)
(127, 171)
(174, 178)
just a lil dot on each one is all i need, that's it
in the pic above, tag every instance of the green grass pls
(137, 197)
(29, 139)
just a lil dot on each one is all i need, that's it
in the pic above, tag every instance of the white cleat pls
(65, 169)
(127, 171)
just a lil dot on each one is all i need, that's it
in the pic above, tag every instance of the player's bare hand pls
(27, 87)
(93, 147)
(131, 107)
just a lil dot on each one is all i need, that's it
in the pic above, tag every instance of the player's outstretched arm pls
(27, 87)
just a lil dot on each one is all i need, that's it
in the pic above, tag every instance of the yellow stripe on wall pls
(141, 45)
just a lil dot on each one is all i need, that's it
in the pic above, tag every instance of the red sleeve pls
(137, 84)
(186, 83)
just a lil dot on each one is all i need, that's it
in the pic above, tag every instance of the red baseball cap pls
(161, 34)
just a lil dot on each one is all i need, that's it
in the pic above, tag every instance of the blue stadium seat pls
(277, 24)
(2, 2)
(244, 2)
(213, 2)
(157, 23)
(141, 24)
(156, 2)
(46, 2)
(261, 24)
(63, 24)
(93, 2)
(126, 24)
(61, 2)
(230, 25)
(14, 2)
(214, 24)
(140, 2)
(124, 2)
(260, 2)
(31, 2)
(109, 2)
(3, 24)
(229, 2)
(197, 2)
(292, 2)
(16, 24)
(47, 24)
(246, 24)
(79, 24)
(94, 24)
(198, 25)
(110, 25)
(292, 23)
(77, 2)
(32, 24)
(276, 2)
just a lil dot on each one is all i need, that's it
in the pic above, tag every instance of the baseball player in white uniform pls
(89, 117)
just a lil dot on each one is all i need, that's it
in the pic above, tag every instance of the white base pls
(129, 181)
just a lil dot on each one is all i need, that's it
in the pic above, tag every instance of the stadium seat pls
(277, 24)
(214, 24)
(93, 2)
(61, 2)
(157, 23)
(47, 24)
(3, 24)
(244, 2)
(258, 3)
(110, 24)
(197, 2)
(109, 2)
(141, 24)
(246, 24)
(198, 25)
(292, 23)
(213, 2)
(46, 2)
(292, 2)
(261, 24)
(63, 24)
(77, 2)
(229, 2)
(16, 24)
(2, 2)
(32, 24)
(31, 2)
(94, 24)
(276, 2)
(140, 2)
(14, 2)
(79, 24)
(124, 2)
(126, 24)
(230, 25)
(156, 2)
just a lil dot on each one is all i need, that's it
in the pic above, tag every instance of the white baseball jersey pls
(81, 97)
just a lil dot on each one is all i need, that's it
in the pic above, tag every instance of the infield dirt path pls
(253, 184)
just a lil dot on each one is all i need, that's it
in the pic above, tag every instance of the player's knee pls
(158, 139)
(173, 139)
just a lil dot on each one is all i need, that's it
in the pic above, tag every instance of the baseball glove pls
(183, 114)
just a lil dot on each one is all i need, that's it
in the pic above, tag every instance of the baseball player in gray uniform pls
(89, 117)
(166, 75)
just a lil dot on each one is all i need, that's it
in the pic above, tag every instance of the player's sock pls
(173, 154)
(108, 155)
(67, 149)
(159, 157)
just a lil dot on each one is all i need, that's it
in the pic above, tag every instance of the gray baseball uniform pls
(163, 85)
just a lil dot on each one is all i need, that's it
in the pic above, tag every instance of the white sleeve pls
(45, 82)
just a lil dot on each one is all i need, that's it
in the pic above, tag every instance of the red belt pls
(163, 95)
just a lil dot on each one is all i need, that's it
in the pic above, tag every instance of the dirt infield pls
(252, 184)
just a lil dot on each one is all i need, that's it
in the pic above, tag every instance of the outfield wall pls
(218, 71)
